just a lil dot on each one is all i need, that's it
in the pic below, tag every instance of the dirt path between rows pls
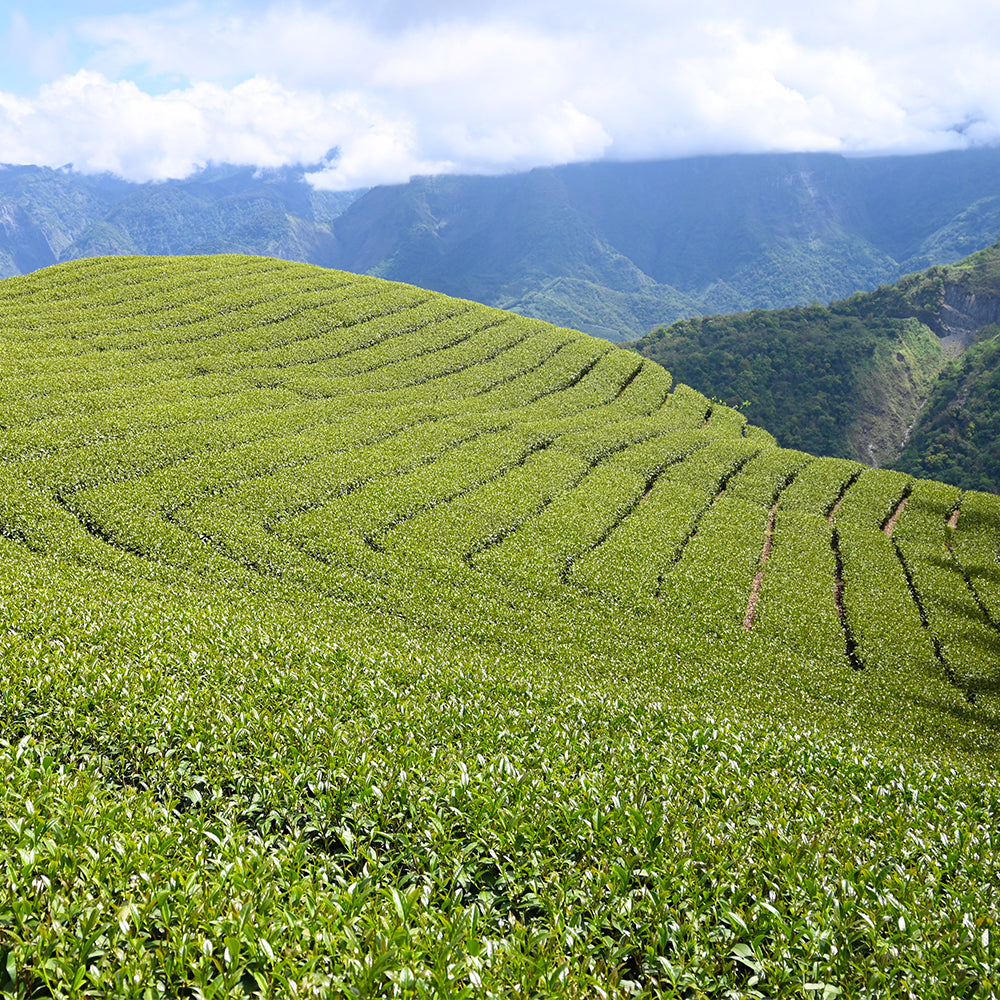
(751, 614)
(894, 516)
(952, 525)
(832, 516)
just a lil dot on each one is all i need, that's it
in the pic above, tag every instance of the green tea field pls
(361, 641)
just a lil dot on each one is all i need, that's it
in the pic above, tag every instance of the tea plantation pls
(361, 641)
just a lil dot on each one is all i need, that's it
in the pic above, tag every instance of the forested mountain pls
(48, 216)
(907, 375)
(615, 249)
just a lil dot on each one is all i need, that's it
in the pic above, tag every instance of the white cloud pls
(404, 88)
(102, 125)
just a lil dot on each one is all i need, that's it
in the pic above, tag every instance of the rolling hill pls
(904, 376)
(362, 640)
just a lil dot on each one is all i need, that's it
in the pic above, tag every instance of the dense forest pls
(958, 436)
(905, 375)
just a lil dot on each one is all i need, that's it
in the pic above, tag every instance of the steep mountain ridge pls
(615, 249)
(28, 249)
(515, 242)
(700, 235)
(867, 376)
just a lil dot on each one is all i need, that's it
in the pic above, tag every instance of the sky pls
(374, 92)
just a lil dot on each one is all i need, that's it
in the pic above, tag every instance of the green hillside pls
(362, 641)
(905, 375)
(957, 435)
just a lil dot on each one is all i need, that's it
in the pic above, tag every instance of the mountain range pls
(613, 249)
(48, 216)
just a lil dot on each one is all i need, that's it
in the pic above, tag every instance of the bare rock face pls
(963, 314)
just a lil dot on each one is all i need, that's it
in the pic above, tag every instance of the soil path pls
(894, 517)
(832, 516)
(751, 614)
(952, 524)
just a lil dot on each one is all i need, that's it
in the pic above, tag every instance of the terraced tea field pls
(359, 640)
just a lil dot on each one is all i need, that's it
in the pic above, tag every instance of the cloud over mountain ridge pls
(159, 93)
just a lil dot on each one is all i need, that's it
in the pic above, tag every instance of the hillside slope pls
(358, 639)
(900, 376)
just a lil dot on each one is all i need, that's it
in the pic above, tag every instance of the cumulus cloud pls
(401, 88)
(101, 125)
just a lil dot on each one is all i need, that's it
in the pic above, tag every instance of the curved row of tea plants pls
(358, 640)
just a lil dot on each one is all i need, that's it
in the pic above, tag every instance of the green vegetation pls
(958, 435)
(363, 641)
(906, 375)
